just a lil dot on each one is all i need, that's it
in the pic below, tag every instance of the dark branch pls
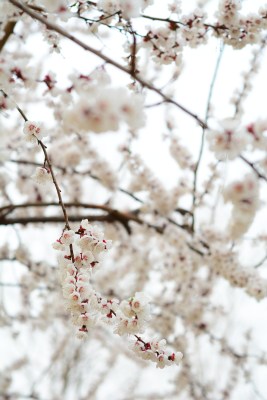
(9, 28)
(252, 165)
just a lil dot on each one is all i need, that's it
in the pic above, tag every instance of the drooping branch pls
(47, 161)
(51, 170)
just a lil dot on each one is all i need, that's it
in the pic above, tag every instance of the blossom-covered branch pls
(99, 54)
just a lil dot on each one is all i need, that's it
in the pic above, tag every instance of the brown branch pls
(134, 71)
(9, 28)
(180, 210)
(112, 215)
(169, 20)
(13, 207)
(123, 217)
(217, 27)
(58, 190)
(99, 54)
(54, 219)
(47, 161)
(16, 395)
(92, 3)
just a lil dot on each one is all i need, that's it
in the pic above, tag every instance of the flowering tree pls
(125, 247)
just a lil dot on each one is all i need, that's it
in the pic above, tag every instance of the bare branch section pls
(62, 32)
(9, 28)
(112, 215)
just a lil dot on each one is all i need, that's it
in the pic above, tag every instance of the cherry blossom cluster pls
(230, 139)
(244, 196)
(53, 40)
(156, 351)
(80, 254)
(59, 6)
(167, 42)
(104, 110)
(128, 8)
(15, 74)
(225, 263)
(240, 94)
(181, 154)
(33, 132)
(239, 30)
(194, 28)
(71, 157)
(166, 47)
(167, 241)
(42, 176)
(102, 169)
(161, 199)
(257, 131)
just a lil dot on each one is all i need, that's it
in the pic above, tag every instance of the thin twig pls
(196, 170)
(261, 262)
(58, 190)
(252, 165)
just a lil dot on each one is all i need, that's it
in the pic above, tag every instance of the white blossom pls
(228, 141)
(33, 131)
(42, 176)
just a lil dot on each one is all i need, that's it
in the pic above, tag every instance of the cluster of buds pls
(155, 351)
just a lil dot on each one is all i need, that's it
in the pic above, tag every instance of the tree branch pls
(180, 210)
(58, 190)
(9, 28)
(112, 215)
(99, 54)
(252, 165)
